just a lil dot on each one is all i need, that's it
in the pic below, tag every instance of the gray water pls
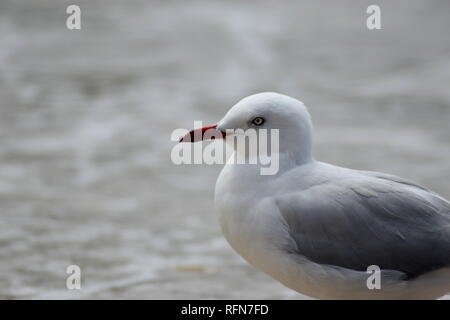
(86, 118)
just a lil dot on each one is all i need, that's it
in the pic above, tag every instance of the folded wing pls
(369, 220)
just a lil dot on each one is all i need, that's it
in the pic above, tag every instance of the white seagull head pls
(270, 110)
(267, 110)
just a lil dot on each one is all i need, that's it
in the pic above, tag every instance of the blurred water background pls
(86, 118)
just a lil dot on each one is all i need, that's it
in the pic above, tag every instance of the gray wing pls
(358, 222)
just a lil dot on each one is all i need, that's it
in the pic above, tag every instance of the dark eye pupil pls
(258, 121)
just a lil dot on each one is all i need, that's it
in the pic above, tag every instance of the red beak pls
(205, 133)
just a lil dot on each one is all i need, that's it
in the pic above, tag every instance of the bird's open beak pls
(205, 133)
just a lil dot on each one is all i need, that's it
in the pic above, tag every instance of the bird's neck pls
(261, 171)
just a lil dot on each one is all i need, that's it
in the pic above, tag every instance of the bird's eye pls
(258, 121)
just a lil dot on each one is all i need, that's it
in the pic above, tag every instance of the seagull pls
(317, 228)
